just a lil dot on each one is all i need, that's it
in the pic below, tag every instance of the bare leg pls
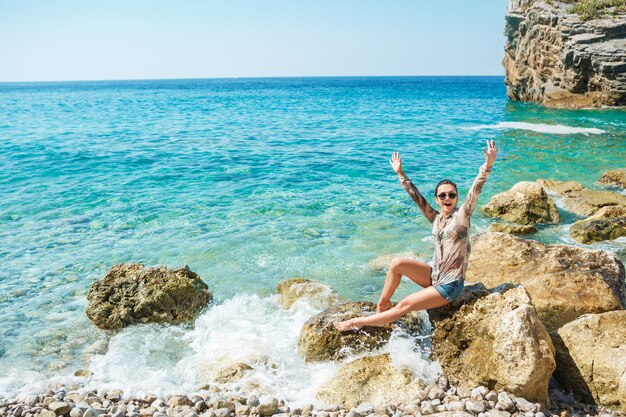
(421, 300)
(417, 271)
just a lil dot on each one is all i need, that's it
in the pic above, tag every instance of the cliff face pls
(554, 58)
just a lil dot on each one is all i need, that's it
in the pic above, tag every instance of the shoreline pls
(438, 399)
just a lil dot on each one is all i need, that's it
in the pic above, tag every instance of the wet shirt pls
(451, 233)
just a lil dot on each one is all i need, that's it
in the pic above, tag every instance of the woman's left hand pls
(491, 153)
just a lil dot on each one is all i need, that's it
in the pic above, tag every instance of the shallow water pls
(247, 181)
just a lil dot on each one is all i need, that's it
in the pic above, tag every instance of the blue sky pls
(140, 39)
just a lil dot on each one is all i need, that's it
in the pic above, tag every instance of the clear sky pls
(138, 39)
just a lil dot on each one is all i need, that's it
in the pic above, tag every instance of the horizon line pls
(247, 78)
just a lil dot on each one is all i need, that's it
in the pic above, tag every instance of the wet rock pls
(526, 203)
(232, 373)
(268, 406)
(564, 282)
(371, 379)
(494, 339)
(608, 223)
(512, 229)
(580, 200)
(615, 177)
(319, 340)
(316, 293)
(591, 358)
(132, 293)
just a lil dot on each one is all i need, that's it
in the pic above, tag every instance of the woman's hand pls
(491, 153)
(344, 326)
(396, 163)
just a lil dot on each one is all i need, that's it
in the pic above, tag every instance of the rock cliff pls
(555, 58)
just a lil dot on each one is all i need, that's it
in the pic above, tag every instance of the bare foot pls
(344, 326)
(383, 305)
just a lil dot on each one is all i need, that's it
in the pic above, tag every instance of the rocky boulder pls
(315, 293)
(616, 177)
(495, 339)
(526, 203)
(591, 358)
(513, 229)
(580, 200)
(607, 224)
(371, 379)
(564, 282)
(320, 341)
(132, 293)
(554, 57)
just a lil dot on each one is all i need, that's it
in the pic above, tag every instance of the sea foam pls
(256, 331)
(541, 128)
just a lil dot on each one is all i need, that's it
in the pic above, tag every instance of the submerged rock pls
(320, 341)
(132, 293)
(513, 229)
(555, 58)
(495, 339)
(526, 203)
(373, 380)
(580, 200)
(564, 282)
(591, 358)
(616, 177)
(316, 293)
(232, 373)
(607, 224)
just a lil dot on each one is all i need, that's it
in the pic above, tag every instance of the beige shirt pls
(451, 233)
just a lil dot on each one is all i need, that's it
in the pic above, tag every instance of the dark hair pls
(445, 182)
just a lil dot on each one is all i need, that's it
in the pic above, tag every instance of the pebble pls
(479, 393)
(436, 400)
(268, 406)
(222, 412)
(475, 407)
(364, 409)
(59, 407)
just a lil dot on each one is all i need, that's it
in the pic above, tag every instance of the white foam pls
(161, 360)
(541, 128)
(245, 329)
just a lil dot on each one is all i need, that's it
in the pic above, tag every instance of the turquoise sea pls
(247, 181)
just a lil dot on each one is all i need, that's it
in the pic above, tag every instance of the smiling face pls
(446, 204)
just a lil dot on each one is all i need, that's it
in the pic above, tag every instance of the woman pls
(443, 283)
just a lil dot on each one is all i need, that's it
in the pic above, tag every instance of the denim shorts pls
(450, 291)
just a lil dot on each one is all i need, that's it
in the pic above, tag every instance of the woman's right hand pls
(396, 163)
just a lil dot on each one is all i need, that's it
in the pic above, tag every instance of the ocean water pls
(249, 182)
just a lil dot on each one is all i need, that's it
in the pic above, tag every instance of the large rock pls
(580, 200)
(616, 177)
(591, 358)
(315, 293)
(607, 224)
(320, 341)
(526, 203)
(494, 339)
(554, 58)
(371, 379)
(563, 281)
(132, 293)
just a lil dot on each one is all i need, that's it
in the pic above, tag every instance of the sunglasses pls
(442, 196)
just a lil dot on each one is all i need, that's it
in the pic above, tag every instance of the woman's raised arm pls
(427, 210)
(491, 153)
